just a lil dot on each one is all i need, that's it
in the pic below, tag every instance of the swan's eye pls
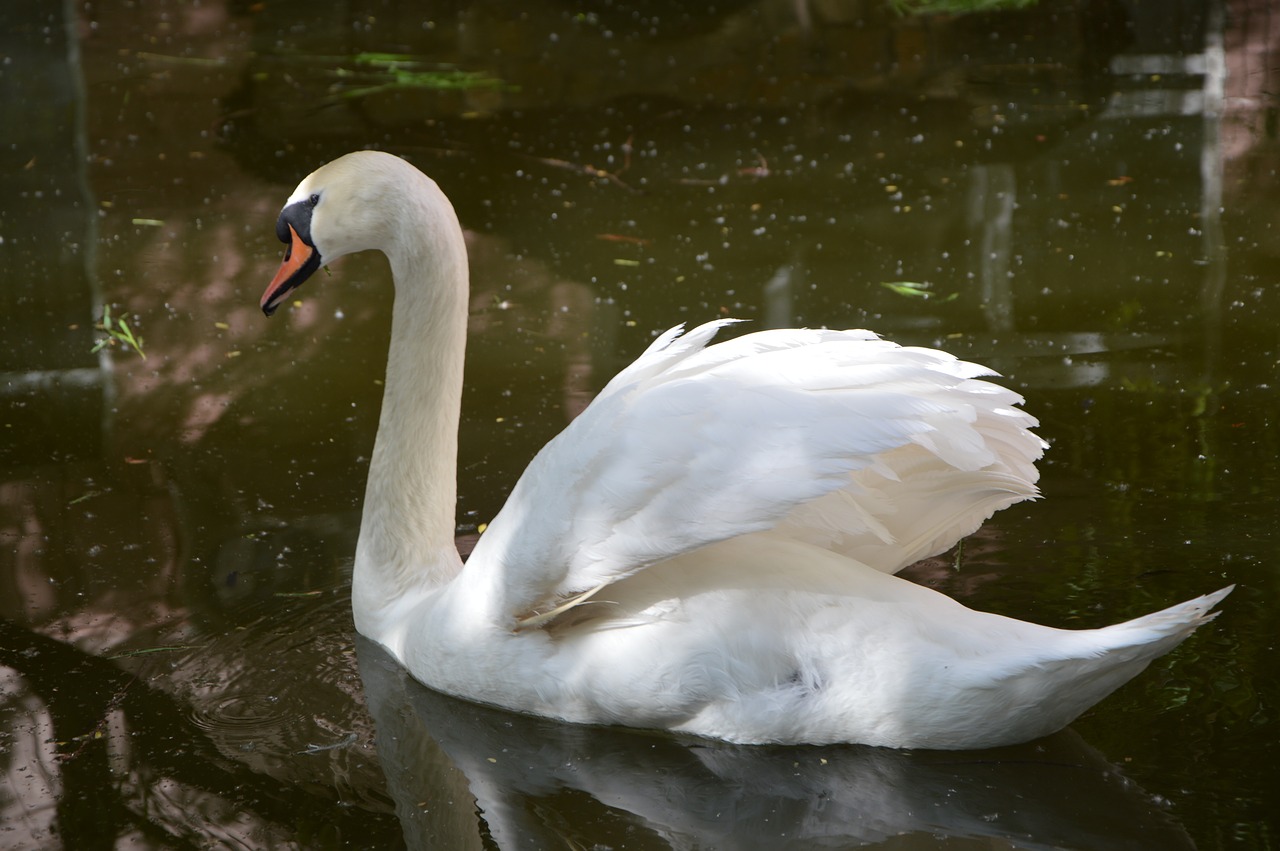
(313, 200)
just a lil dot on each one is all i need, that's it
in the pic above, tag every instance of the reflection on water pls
(220, 745)
(541, 784)
(1080, 195)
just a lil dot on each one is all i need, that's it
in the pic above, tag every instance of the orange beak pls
(300, 261)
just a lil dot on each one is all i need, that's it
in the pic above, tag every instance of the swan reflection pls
(468, 776)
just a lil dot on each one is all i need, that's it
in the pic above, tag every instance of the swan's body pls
(710, 546)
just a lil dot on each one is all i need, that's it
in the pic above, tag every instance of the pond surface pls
(1080, 196)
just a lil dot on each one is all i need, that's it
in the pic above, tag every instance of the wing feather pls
(884, 453)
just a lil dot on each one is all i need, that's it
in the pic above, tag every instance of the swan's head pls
(351, 204)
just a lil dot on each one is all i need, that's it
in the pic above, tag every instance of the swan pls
(710, 547)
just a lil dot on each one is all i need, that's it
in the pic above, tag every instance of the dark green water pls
(1084, 193)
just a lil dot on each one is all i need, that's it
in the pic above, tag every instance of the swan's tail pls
(1121, 651)
(1159, 632)
(1087, 665)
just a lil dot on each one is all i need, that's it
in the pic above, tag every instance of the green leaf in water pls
(118, 332)
(389, 76)
(917, 289)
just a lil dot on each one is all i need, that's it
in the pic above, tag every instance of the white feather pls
(795, 430)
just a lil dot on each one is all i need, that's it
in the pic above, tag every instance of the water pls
(1082, 194)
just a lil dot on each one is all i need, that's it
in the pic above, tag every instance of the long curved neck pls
(406, 544)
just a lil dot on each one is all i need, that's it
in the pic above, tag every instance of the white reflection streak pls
(1211, 171)
(777, 298)
(992, 190)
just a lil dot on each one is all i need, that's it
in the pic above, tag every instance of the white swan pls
(710, 546)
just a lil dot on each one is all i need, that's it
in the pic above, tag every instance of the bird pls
(711, 547)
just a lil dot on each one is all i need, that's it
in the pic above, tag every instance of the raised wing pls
(885, 453)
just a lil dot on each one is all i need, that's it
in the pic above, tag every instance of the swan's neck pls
(406, 546)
